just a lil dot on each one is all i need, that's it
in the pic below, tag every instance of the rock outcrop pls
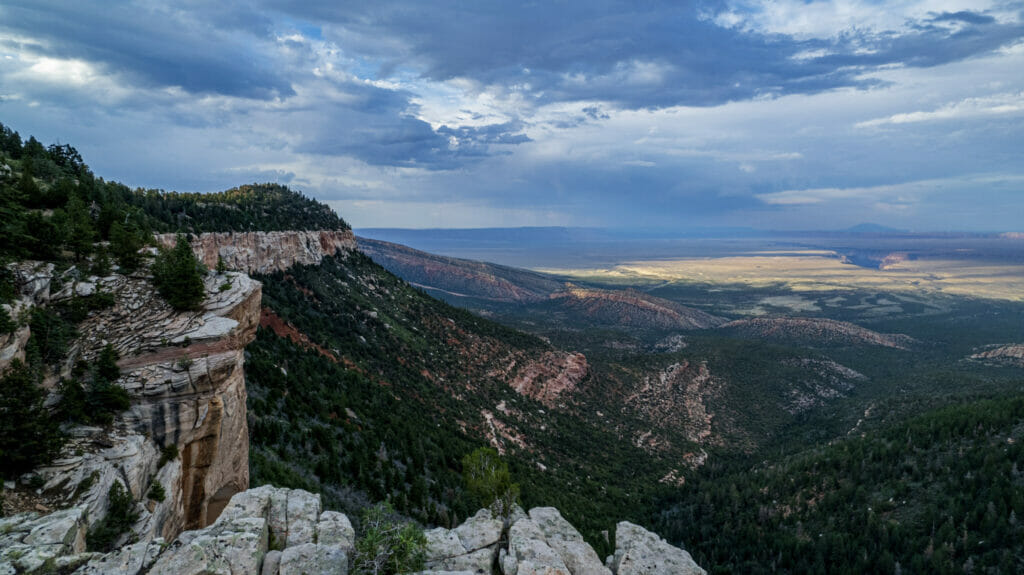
(1010, 355)
(267, 252)
(277, 531)
(33, 282)
(186, 426)
(677, 398)
(542, 542)
(553, 375)
(262, 531)
(640, 552)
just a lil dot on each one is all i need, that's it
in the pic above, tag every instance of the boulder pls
(640, 552)
(577, 555)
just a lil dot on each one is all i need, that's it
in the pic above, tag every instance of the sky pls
(787, 114)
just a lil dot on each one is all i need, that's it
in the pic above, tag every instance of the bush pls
(178, 276)
(28, 436)
(388, 546)
(167, 454)
(487, 477)
(7, 325)
(156, 492)
(120, 516)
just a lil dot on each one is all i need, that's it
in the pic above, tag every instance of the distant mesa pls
(633, 308)
(871, 228)
(459, 277)
(816, 331)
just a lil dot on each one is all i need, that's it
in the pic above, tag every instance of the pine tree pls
(28, 437)
(177, 275)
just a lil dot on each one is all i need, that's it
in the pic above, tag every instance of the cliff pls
(266, 252)
(274, 531)
(183, 372)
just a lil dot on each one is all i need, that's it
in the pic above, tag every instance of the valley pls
(732, 412)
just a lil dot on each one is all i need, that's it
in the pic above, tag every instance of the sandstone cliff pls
(267, 252)
(273, 531)
(184, 376)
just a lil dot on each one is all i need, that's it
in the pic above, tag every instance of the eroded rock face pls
(554, 375)
(267, 252)
(33, 281)
(184, 375)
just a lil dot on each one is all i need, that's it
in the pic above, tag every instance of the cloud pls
(901, 194)
(968, 108)
(154, 45)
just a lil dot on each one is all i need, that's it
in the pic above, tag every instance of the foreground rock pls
(542, 542)
(262, 531)
(277, 531)
(640, 552)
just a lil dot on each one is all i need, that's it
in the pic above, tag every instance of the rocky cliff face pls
(273, 531)
(184, 375)
(267, 252)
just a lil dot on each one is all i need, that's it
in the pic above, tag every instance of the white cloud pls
(889, 196)
(968, 108)
(833, 18)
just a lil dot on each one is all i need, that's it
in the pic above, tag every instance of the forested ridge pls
(52, 207)
(941, 492)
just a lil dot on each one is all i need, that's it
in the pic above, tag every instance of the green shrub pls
(178, 276)
(120, 516)
(487, 477)
(388, 545)
(156, 492)
(7, 325)
(167, 454)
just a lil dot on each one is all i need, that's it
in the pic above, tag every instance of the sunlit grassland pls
(813, 271)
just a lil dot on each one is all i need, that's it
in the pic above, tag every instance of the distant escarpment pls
(267, 252)
(184, 434)
(816, 332)
(459, 277)
(633, 308)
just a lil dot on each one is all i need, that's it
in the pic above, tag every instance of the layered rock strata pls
(186, 426)
(267, 252)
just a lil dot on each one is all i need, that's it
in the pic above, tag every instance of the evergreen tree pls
(177, 275)
(125, 243)
(28, 436)
(79, 227)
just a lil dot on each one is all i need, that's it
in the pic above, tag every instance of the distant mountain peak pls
(873, 228)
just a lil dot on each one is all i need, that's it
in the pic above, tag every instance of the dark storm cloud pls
(207, 52)
(639, 55)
